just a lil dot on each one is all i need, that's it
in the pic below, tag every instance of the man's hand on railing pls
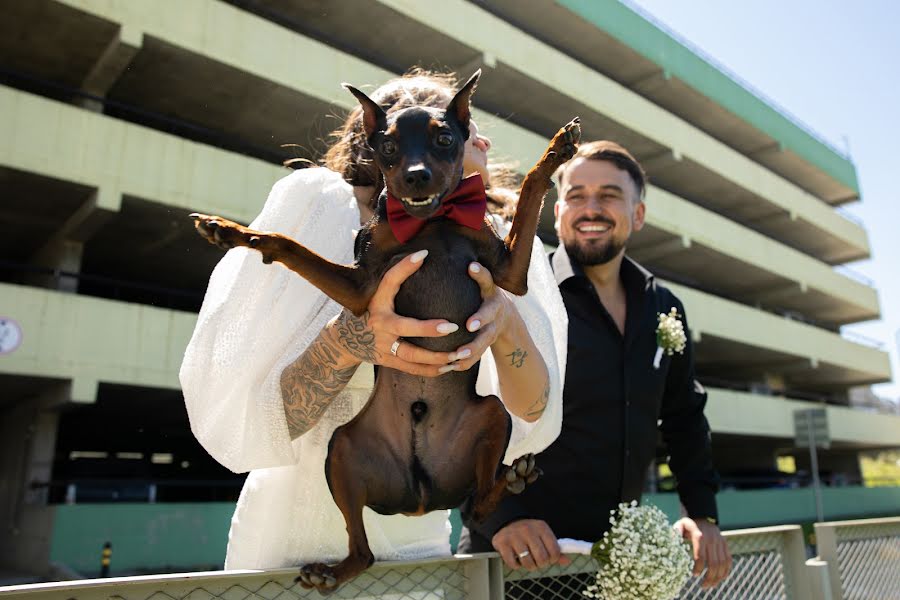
(528, 544)
(710, 550)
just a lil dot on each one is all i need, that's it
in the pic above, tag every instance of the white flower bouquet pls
(670, 336)
(642, 557)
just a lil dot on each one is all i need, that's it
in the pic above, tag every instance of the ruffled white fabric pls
(255, 320)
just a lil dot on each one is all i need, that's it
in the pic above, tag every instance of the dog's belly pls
(442, 287)
(419, 436)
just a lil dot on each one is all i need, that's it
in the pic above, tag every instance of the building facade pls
(121, 117)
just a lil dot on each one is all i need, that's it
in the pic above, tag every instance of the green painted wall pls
(177, 537)
(656, 45)
(758, 508)
(145, 537)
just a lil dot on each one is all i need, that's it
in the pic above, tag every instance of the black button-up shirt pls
(614, 403)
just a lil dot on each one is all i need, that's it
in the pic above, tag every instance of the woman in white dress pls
(264, 371)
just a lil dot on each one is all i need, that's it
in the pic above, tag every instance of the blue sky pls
(836, 67)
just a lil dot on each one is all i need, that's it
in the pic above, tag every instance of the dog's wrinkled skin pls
(419, 444)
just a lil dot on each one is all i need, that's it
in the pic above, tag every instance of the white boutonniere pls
(670, 337)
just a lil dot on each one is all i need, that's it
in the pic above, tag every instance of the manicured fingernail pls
(447, 327)
(474, 325)
(475, 268)
(461, 354)
(447, 369)
(418, 256)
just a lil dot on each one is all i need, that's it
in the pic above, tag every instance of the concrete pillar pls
(28, 429)
(110, 65)
(64, 249)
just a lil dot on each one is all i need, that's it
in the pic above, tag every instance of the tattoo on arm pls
(517, 357)
(357, 337)
(537, 408)
(310, 383)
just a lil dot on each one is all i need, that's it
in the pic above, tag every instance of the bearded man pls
(621, 385)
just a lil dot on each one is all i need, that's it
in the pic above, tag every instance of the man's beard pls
(589, 254)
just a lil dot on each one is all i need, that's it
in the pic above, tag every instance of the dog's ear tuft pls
(374, 117)
(459, 106)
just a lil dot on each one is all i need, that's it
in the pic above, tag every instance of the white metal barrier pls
(859, 560)
(863, 556)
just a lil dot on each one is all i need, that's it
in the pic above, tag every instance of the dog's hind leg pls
(512, 273)
(349, 494)
(493, 479)
(345, 284)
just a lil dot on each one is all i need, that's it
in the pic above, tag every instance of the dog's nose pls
(418, 175)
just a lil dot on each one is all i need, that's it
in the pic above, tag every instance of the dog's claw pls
(319, 576)
(522, 467)
(521, 473)
(517, 486)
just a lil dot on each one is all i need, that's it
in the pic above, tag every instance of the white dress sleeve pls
(544, 314)
(257, 318)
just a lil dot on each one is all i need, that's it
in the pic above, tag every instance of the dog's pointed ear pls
(459, 106)
(374, 117)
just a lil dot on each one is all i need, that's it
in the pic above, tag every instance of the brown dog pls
(419, 444)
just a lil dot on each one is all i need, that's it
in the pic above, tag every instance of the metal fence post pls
(498, 585)
(793, 562)
(478, 579)
(819, 579)
(826, 548)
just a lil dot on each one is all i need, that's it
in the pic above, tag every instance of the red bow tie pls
(465, 205)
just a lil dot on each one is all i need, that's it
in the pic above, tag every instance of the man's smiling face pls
(598, 210)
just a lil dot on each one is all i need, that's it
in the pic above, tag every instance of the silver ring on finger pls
(396, 346)
(522, 554)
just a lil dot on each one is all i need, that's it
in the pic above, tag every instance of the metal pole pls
(814, 462)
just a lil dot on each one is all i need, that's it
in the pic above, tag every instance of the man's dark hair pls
(610, 152)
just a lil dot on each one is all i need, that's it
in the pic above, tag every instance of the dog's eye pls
(444, 139)
(388, 147)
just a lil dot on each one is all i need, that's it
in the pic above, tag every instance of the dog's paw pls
(226, 234)
(521, 473)
(565, 143)
(317, 576)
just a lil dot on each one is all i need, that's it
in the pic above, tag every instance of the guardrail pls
(864, 558)
(858, 560)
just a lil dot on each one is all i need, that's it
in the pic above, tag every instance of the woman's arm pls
(521, 370)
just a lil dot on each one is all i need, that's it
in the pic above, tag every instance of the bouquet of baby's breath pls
(642, 557)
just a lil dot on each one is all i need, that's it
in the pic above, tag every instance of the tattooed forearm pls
(517, 357)
(356, 336)
(310, 383)
(537, 408)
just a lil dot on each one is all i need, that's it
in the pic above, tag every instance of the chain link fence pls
(768, 564)
(858, 560)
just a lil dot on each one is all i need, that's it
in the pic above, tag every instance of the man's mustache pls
(602, 220)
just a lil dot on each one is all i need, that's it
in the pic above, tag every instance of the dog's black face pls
(419, 150)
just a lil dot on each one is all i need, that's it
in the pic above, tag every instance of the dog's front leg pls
(345, 284)
(512, 274)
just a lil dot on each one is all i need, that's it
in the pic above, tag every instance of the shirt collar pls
(632, 273)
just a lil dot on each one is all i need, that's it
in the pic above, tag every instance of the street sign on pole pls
(811, 431)
(815, 418)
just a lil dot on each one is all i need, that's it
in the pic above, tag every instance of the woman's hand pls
(490, 320)
(524, 391)
(371, 336)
